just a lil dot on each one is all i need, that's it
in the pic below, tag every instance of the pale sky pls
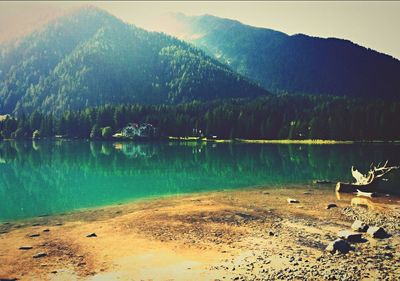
(370, 24)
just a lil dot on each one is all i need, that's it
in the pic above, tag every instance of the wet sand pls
(250, 234)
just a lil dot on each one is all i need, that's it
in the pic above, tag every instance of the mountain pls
(295, 64)
(90, 58)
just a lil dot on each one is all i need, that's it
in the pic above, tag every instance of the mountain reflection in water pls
(48, 177)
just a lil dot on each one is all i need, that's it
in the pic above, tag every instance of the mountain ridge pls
(206, 15)
(89, 58)
(296, 63)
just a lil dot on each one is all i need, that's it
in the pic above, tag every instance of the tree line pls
(269, 117)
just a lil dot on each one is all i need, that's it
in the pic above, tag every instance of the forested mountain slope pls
(90, 58)
(294, 64)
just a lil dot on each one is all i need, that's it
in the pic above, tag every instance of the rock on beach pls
(359, 226)
(339, 245)
(377, 232)
(350, 236)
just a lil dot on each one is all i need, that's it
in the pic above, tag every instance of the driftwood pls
(366, 194)
(368, 182)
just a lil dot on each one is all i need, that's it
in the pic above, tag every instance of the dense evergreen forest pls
(88, 74)
(270, 117)
(293, 64)
(90, 58)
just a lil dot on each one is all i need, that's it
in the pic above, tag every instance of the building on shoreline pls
(143, 130)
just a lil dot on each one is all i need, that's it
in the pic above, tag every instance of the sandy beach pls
(247, 234)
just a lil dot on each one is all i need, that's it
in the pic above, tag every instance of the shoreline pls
(212, 140)
(24, 221)
(246, 234)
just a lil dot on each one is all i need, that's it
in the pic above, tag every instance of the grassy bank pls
(279, 141)
(284, 141)
(309, 141)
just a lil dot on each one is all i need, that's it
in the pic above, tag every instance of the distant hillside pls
(297, 64)
(90, 58)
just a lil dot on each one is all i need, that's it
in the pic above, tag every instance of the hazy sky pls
(371, 24)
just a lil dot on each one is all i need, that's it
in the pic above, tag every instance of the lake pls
(52, 177)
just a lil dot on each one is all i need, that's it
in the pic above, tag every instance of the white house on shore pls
(144, 130)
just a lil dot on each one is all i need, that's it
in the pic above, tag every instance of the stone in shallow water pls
(377, 232)
(359, 226)
(338, 245)
(331, 205)
(350, 236)
(34, 235)
(25, 247)
(92, 235)
(292, 200)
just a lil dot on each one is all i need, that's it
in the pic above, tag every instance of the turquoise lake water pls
(50, 177)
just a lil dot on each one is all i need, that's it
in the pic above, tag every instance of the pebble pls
(331, 205)
(39, 255)
(25, 247)
(92, 235)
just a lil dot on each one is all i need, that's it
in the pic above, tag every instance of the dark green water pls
(50, 177)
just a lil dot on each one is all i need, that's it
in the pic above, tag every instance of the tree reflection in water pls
(57, 176)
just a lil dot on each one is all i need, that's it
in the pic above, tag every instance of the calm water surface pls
(50, 177)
